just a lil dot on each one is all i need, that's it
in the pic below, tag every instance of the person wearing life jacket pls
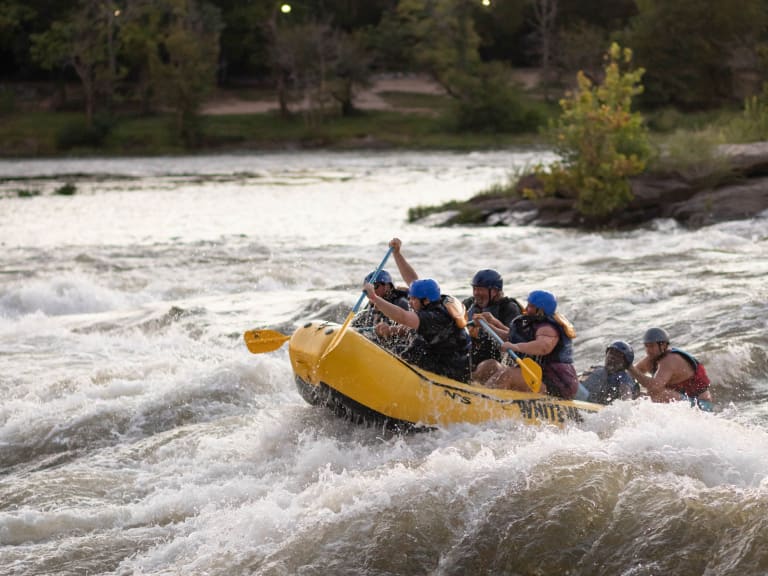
(611, 381)
(544, 336)
(440, 340)
(368, 317)
(669, 374)
(489, 303)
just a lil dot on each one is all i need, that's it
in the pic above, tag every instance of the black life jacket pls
(483, 344)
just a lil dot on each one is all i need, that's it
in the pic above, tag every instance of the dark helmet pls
(544, 300)
(382, 276)
(625, 349)
(653, 335)
(488, 279)
(426, 288)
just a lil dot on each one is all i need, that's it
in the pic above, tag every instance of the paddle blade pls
(531, 374)
(260, 341)
(337, 337)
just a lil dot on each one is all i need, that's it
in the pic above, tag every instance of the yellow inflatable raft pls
(362, 382)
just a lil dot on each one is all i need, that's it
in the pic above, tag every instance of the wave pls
(59, 296)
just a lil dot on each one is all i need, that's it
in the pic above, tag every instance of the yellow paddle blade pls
(260, 341)
(531, 373)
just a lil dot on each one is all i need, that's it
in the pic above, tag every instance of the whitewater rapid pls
(139, 436)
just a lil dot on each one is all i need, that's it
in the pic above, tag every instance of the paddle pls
(337, 337)
(530, 369)
(260, 341)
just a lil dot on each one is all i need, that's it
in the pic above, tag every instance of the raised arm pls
(407, 272)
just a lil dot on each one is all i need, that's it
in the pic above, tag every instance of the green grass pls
(686, 139)
(32, 133)
(417, 100)
(38, 134)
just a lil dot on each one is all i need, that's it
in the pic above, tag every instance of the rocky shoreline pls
(734, 189)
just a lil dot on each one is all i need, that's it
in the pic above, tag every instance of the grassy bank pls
(65, 133)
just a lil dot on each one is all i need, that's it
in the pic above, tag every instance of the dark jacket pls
(439, 345)
(483, 345)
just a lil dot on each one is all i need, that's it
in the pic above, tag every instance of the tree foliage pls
(86, 42)
(600, 141)
(170, 53)
(445, 44)
(173, 48)
(688, 47)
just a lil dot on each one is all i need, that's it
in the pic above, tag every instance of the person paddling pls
(369, 317)
(669, 374)
(546, 337)
(489, 303)
(440, 343)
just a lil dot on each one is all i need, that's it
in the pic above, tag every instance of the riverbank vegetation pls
(115, 77)
(140, 73)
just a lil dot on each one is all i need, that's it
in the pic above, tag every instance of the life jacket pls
(447, 351)
(503, 309)
(604, 387)
(694, 385)
(484, 347)
(523, 329)
(456, 310)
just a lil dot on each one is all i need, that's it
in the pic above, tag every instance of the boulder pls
(734, 187)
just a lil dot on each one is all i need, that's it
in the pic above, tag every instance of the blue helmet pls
(488, 279)
(382, 276)
(426, 288)
(543, 300)
(625, 349)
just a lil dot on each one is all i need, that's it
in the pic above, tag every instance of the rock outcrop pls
(735, 187)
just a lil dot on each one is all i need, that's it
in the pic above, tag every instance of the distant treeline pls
(144, 55)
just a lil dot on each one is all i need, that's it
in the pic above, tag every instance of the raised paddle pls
(337, 337)
(260, 341)
(530, 369)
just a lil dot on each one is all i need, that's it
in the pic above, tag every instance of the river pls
(139, 436)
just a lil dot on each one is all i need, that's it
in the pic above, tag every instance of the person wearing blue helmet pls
(369, 316)
(439, 342)
(611, 381)
(489, 303)
(539, 333)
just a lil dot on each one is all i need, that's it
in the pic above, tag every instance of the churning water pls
(139, 436)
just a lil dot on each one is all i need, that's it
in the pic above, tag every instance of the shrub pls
(488, 102)
(67, 189)
(27, 193)
(752, 124)
(78, 134)
(601, 142)
(7, 101)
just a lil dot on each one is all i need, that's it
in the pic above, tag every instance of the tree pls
(351, 70)
(544, 19)
(317, 64)
(175, 46)
(600, 141)
(442, 38)
(13, 14)
(85, 41)
(445, 44)
(687, 45)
